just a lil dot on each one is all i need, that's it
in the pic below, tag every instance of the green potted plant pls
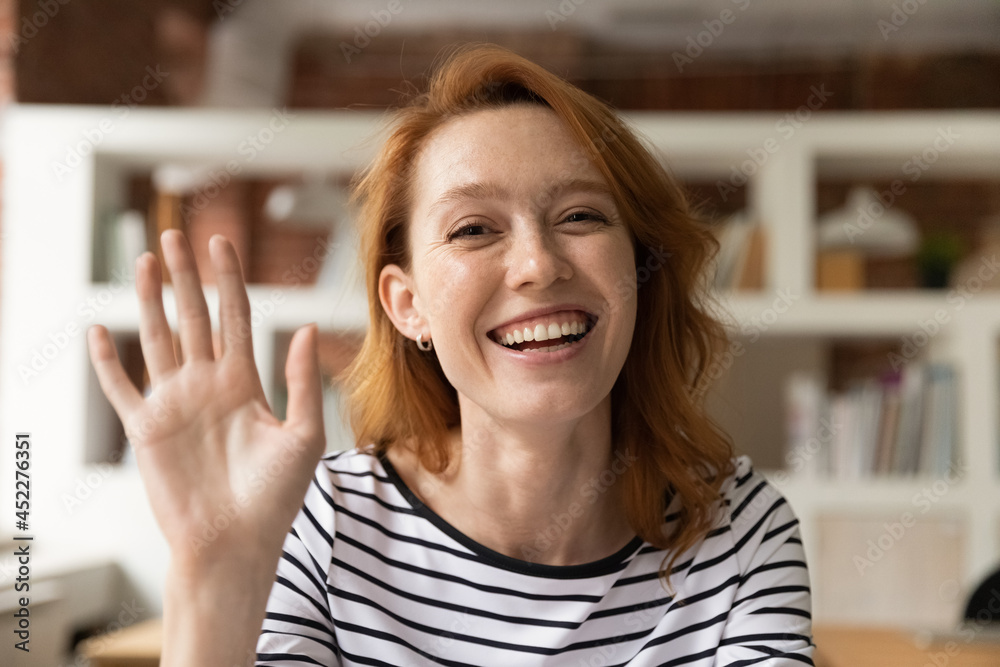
(938, 254)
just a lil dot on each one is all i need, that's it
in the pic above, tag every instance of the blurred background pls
(846, 153)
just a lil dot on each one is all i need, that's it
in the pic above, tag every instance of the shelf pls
(787, 324)
(272, 306)
(878, 494)
(787, 312)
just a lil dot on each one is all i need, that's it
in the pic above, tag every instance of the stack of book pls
(122, 240)
(739, 264)
(901, 423)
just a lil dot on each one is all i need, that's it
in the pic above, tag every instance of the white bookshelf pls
(48, 225)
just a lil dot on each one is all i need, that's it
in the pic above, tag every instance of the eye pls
(585, 216)
(470, 230)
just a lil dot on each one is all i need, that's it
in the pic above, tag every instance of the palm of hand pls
(221, 472)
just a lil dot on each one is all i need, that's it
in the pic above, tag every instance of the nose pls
(536, 258)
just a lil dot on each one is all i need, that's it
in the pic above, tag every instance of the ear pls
(401, 303)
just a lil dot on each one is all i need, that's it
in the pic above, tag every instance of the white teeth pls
(542, 332)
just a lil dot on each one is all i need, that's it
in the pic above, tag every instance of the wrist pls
(212, 614)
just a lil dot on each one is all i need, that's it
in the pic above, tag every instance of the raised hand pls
(225, 478)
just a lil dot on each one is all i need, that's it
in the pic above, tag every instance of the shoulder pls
(755, 512)
(746, 491)
(345, 484)
(350, 471)
(338, 476)
(356, 462)
(360, 482)
(770, 579)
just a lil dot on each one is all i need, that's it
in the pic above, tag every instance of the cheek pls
(453, 293)
(619, 279)
(622, 288)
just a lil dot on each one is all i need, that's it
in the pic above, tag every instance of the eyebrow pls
(475, 190)
(480, 191)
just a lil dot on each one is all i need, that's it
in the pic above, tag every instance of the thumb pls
(305, 391)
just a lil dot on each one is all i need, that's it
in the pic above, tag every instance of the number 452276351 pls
(22, 477)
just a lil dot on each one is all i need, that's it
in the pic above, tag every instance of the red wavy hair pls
(397, 393)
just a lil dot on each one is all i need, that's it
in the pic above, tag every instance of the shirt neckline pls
(607, 565)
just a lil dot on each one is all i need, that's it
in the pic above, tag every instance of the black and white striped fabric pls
(371, 576)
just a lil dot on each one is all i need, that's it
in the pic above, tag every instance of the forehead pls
(522, 148)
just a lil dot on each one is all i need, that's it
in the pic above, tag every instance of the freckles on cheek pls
(452, 276)
(618, 264)
(446, 285)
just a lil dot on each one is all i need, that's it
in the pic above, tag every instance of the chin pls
(548, 411)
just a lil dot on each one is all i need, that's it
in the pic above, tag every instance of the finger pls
(115, 384)
(234, 304)
(194, 323)
(305, 391)
(154, 332)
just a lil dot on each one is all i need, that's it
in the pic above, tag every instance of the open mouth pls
(548, 334)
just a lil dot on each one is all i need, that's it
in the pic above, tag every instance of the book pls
(888, 424)
(937, 437)
(805, 409)
(126, 241)
(739, 264)
(908, 432)
(900, 423)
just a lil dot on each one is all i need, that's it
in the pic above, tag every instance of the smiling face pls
(522, 271)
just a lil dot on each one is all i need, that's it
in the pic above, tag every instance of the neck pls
(545, 493)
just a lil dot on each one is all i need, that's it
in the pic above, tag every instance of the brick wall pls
(8, 14)
(96, 51)
(327, 75)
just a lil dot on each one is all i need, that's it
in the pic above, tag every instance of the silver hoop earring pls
(424, 347)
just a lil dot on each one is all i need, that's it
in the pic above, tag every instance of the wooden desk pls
(875, 647)
(139, 646)
(135, 646)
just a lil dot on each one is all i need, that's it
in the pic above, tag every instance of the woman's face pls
(517, 249)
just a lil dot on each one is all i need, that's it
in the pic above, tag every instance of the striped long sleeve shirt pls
(372, 576)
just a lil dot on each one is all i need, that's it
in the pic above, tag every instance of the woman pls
(536, 481)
